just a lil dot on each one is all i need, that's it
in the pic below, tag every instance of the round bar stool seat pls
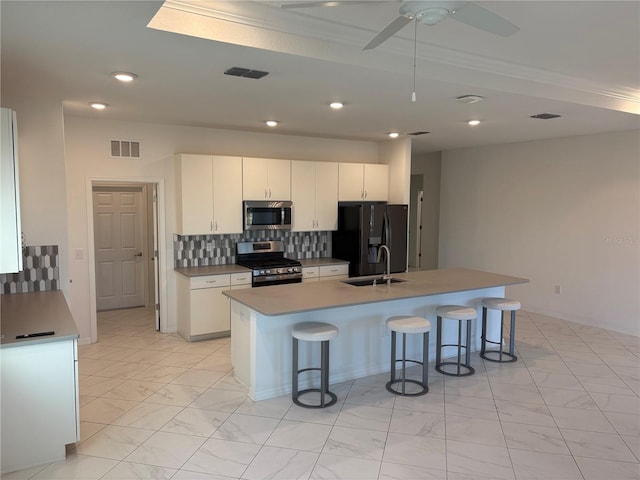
(313, 332)
(460, 313)
(503, 305)
(408, 325)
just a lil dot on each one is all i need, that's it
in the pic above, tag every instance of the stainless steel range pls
(269, 265)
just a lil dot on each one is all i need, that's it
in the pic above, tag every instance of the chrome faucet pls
(387, 274)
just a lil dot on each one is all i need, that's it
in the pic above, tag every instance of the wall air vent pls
(546, 116)
(126, 149)
(415, 134)
(245, 72)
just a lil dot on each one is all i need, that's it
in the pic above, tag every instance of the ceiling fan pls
(428, 13)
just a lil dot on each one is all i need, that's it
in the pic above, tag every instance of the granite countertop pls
(301, 297)
(233, 268)
(34, 312)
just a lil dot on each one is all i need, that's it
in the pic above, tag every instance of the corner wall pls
(429, 166)
(562, 212)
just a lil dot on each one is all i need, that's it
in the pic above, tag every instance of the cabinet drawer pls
(333, 270)
(243, 278)
(310, 272)
(209, 281)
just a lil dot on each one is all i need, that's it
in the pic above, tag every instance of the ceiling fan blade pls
(321, 4)
(479, 17)
(389, 31)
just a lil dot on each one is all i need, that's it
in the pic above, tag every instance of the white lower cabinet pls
(325, 272)
(310, 274)
(334, 272)
(203, 311)
(40, 410)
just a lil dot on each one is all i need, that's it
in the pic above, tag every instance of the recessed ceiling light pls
(271, 123)
(98, 105)
(125, 77)
(473, 123)
(394, 134)
(336, 105)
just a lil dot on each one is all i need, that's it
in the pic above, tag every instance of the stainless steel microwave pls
(267, 215)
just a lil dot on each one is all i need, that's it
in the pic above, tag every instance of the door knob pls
(139, 254)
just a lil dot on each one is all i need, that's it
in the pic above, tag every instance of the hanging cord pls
(415, 43)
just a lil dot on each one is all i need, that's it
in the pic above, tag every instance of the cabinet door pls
(209, 311)
(254, 179)
(310, 274)
(279, 176)
(195, 194)
(350, 182)
(303, 186)
(326, 196)
(376, 182)
(227, 195)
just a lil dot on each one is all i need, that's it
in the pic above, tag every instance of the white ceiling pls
(578, 59)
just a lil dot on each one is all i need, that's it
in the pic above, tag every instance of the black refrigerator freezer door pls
(396, 236)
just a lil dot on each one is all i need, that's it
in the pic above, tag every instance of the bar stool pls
(405, 325)
(313, 332)
(460, 313)
(504, 305)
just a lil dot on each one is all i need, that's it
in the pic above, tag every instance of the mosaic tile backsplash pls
(191, 250)
(40, 272)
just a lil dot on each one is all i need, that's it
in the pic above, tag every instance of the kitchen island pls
(262, 318)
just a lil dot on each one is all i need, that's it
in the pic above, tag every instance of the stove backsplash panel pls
(40, 272)
(205, 250)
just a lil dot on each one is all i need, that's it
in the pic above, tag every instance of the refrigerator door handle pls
(386, 229)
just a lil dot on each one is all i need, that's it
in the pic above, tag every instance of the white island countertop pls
(303, 297)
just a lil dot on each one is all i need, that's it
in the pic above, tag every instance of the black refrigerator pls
(362, 228)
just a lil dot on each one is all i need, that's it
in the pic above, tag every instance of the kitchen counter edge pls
(33, 312)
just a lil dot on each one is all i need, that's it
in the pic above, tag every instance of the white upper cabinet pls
(363, 182)
(10, 230)
(209, 194)
(314, 192)
(266, 179)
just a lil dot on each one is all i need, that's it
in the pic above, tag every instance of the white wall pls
(559, 212)
(43, 203)
(429, 166)
(87, 157)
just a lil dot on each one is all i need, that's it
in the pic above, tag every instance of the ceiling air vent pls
(125, 149)
(546, 116)
(245, 72)
(415, 134)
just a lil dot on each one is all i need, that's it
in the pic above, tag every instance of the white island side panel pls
(261, 344)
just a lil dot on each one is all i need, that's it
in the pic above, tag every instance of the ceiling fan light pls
(432, 16)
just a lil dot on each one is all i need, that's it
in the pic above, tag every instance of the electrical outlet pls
(557, 289)
(209, 247)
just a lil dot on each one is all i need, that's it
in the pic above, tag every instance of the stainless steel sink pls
(363, 282)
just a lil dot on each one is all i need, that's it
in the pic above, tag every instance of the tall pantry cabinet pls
(10, 229)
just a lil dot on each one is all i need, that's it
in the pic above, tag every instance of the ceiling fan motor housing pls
(429, 13)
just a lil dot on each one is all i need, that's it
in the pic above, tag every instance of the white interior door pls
(120, 247)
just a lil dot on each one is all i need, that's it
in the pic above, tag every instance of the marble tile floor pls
(156, 407)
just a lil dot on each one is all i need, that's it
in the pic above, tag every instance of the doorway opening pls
(416, 190)
(125, 250)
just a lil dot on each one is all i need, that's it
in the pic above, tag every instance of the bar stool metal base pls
(424, 385)
(484, 353)
(324, 378)
(462, 369)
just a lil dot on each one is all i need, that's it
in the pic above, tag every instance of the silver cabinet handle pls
(365, 194)
(215, 227)
(211, 226)
(211, 281)
(265, 193)
(269, 193)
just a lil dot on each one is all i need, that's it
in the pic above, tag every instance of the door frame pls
(162, 254)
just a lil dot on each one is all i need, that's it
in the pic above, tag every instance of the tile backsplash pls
(204, 250)
(40, 271)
